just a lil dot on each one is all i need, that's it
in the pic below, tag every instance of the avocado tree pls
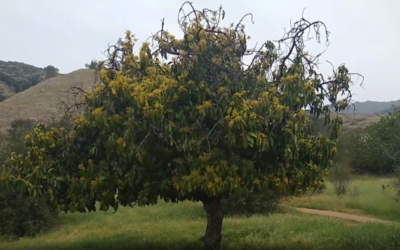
(187, 119)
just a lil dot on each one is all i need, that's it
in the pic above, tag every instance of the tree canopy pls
(51, 71)
(187, 119)
(92, 65)
(376, 147)
(19, 76)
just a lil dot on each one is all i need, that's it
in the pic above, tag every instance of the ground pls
(179, 226)
(366, 197)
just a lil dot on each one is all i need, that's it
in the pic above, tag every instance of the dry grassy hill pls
(5, 90)
(359, 120)
(42, 102)
(17, 76)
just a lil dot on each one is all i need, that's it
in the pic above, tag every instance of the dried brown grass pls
(352, 121)
(6, 90)
(43, 101)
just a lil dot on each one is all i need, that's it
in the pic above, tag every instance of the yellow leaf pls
(141, 99)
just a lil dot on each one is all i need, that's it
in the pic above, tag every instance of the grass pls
(7, 92)
(372, 200)
(179, 226)
(42, 101)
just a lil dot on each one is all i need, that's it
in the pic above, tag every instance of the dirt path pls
(341, 215)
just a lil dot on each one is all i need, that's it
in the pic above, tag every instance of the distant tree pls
(201, 126)
(93, 64)
(24, 125)
(51, 71)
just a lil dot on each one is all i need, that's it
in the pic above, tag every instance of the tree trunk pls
(212, 238)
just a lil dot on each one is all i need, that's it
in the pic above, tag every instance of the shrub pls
(346, 145)
(375, 148)
(24, 216)
(20, 215)
(340, 176)
(354, 192)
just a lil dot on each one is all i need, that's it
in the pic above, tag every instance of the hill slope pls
(42, 102)
(390, 110)
(16, 77)
(359, 120)
(371, 107)
(5, 91)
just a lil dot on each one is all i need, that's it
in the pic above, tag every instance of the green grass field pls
(179, 226)
(371, 199)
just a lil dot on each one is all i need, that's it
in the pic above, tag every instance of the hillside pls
(372, 107)
(16, 77)
(389, 110)
(359, 120)
(5, 91)
(42, 101)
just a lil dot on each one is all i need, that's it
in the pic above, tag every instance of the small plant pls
(340, 177)
(354, 192)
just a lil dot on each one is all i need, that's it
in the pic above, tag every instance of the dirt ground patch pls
(340, 215)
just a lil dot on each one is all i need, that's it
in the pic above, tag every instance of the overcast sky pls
(365, 35)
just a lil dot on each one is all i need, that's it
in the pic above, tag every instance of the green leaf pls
(252, 134)
(245, 142)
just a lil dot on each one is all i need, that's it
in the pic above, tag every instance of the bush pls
(20, 215)
(24, 216)
(249, 203)
(340, 176)
(376, 147)
(346, 146)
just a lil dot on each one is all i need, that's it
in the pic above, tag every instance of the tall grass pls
(179, 226)
(371, 199)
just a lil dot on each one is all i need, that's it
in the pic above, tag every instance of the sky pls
(67, 34)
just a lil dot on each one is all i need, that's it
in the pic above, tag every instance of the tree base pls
(213, 237)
